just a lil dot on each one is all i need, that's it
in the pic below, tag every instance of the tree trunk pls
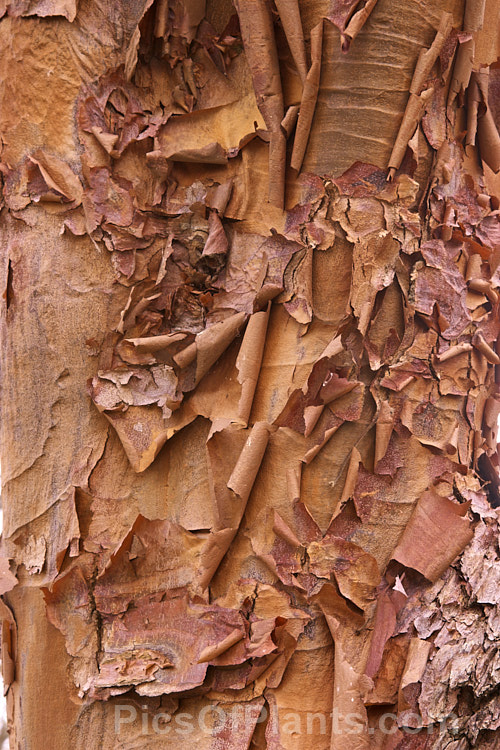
(250, 272)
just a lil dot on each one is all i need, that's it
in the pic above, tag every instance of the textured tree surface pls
(250, 273)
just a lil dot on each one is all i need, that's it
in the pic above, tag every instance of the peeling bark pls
(250, 262)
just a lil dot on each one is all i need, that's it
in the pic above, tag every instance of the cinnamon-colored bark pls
(250, 272)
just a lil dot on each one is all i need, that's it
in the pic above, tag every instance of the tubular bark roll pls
(309, 97)
(260, 48)
(418, 97)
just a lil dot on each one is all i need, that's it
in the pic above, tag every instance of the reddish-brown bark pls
(251, 272)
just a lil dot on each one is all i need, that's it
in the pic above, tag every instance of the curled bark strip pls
(311, 416)
(249, 361)
(481, 128)
(292, 25)
(454, 351)
(216, 243)
(313, 452)
(8, 662)
(230, 513)
(436, 534)
(428, 57)
(309, 97)
(260, 48)
(383, 431)
(244, 473)
(473, 22)
(283, 531)
(488, 353)
(209, 345)
(352, 476)
(161, 19)
(8, 646)
(418, 96)
(474, 267)
(212, 652)
(474, 15)
(462, 69)
(356, 23)
(416, 661)
(412, 116)
(290, 118)
(349, 687)
(156, 343)
(333, 348)
(59, 178)
(385, 620)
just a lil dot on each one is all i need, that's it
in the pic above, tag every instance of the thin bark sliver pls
(418, 96)
(260, 48)
(309, 97)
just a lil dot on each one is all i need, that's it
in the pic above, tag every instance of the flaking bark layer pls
(249, 404)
